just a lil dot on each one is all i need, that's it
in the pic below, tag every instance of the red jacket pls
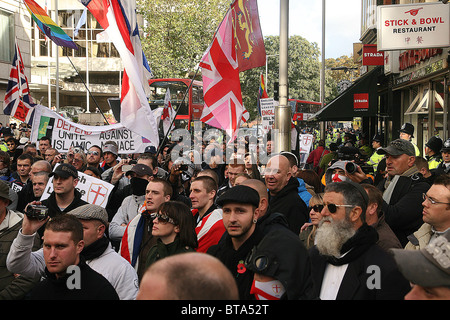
(315, 155)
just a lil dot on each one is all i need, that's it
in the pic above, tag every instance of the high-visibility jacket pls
(434, 161)
(375, 159)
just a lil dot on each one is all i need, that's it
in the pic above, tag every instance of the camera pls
(37, 212)
(184, 167)
(351, 167)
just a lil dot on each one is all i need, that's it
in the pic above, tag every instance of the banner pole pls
(98, 107)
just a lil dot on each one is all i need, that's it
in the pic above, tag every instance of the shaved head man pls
(188, 276)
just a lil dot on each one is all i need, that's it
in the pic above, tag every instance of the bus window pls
(177, 89)
(197, 94)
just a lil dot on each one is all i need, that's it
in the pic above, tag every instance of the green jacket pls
(161, 250)
(13, 287)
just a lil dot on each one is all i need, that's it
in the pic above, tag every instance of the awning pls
(359, 100)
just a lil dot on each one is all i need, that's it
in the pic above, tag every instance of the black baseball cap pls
(65, 171)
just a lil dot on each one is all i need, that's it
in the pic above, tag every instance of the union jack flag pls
(223, 107)
(18, 102)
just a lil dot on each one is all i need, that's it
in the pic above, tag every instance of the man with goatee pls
(347, 264)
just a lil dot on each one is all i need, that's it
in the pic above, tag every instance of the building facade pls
(415, 85)
(58, 76)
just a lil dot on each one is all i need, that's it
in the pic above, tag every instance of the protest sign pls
(65, 133)
(267, 113)
(93, 190)
(305, 142)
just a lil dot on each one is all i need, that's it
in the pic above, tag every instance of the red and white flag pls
(223, 107)
(237, 46)
(168, 114)
(118, 19)
(18, 102)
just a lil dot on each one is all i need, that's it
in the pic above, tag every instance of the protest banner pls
(305, 144)
(267, 106)
(65, 133)
(93, 190)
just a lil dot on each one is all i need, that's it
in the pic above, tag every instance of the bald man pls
(267, 220)
(283, 193)
(188, 276)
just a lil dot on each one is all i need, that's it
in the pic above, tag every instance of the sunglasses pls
(332, 208)
(162, 218)
(317, 208)
(94, 153)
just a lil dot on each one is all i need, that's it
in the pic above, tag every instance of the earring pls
(255, 221)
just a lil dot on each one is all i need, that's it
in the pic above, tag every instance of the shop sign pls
(371, 56)
(361, 101)
(413, 26)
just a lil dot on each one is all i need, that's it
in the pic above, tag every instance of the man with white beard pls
(347, 264)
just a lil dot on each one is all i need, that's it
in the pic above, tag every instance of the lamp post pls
(282, 111)
(267, 58)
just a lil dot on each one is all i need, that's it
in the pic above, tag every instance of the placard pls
(65, 133)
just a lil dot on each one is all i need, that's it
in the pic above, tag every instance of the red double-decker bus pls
(189, 109)
(303, 109)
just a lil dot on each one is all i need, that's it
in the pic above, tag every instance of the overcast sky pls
(343, 22)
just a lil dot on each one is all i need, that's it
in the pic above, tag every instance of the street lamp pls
(267, 57)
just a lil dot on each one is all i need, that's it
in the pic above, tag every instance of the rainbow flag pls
(262, 89)
(48, 26)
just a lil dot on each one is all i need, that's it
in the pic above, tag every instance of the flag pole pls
(82, 80)
(176, 112)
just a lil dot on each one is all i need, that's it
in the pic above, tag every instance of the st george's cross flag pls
(168, 114)
(18, 102)
(118, 19)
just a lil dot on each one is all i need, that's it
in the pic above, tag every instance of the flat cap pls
(90, 212)
(239, 194)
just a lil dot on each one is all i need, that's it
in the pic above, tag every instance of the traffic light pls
(276, 93)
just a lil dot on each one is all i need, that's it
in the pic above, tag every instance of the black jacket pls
(361, 275)
(289, 203)
(403, 213)
(234, 260)
(93, 286)
(54, 210)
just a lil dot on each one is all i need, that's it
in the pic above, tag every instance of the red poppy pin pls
(241, 267)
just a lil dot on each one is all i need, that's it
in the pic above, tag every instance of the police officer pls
(375, 159)
(444, 166)
(432, 152)
(406, 133)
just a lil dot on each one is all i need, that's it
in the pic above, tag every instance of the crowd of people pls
(355, 222)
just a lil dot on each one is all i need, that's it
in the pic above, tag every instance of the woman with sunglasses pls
(174, 228)
(308, 230)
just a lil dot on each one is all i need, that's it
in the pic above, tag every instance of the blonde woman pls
(308, 230)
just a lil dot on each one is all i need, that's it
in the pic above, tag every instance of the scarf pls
(390, 183)
(364, 238)
(95, 249)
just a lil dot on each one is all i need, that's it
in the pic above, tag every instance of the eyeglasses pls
(432, 201)
(162, 218)
(94, 153)
(317, 208)
(333, 207)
